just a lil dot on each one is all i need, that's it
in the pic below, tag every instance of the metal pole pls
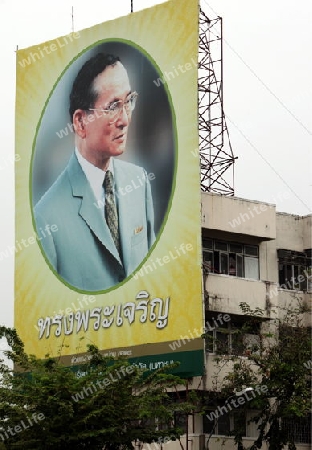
(72, 19)
(132, 6)
(221, 81)
(187, 430)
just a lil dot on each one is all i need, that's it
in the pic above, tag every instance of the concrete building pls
(252, 254)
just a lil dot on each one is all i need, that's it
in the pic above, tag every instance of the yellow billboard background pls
(169, 33)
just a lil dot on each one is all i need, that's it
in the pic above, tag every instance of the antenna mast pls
(216, 155)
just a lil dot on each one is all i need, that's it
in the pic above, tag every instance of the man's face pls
(103, 137)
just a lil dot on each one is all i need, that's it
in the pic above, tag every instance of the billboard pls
(108, 191)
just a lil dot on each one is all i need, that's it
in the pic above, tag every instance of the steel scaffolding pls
(216, 155)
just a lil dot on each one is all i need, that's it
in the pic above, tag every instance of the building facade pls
(254, 255)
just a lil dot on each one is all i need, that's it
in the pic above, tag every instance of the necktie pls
(110, 208)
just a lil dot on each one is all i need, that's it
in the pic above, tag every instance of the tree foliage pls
(44, 405)
(279, 362)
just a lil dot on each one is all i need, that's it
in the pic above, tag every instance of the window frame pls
(217, 251)
(216, 431)
(290, 284)
(234, 347)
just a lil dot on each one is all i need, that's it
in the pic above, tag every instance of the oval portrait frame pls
(158, 133)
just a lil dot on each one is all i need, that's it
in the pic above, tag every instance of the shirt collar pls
(94, 175)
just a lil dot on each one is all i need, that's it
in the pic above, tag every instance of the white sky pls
(267, 95)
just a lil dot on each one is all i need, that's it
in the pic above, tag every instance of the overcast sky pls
(267, 95)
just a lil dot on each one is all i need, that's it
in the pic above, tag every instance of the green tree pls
(43, 405)
(277, 368)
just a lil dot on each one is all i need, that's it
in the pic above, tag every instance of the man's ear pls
(79, 122)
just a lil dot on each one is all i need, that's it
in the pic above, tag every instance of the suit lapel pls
(89, 210)
(125, 210)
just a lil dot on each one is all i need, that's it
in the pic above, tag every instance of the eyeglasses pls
(115, 108)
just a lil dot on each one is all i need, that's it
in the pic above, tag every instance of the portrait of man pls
(102, 205)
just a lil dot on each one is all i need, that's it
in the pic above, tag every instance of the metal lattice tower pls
(216, 155)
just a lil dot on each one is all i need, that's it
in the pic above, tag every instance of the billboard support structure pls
(216, 154)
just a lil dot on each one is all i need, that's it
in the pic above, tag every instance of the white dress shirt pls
(95, 177)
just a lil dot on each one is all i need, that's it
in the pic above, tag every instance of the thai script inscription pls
(144, 309)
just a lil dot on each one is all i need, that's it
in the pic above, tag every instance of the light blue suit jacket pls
(82, 250)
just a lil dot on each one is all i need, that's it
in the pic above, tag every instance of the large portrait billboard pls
(108, 196)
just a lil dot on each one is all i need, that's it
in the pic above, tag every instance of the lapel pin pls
(138, 230)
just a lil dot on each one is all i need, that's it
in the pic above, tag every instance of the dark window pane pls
(222, 341)
(208, 259)
(281, 275)
(180, 420)
(237, 342)
(289, 274)
(239, 266)
(224, 425)
(224, 263)
(209, 422)
(239, 420)
(299, 428)
(216, 260)
(251, 250)
(232, 264)
(207, 243)
(209, 342)
(219, 245)
(236, 248)
(303, 284)
(295, 282)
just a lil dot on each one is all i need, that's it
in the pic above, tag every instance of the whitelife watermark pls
(308, 364)
(24, 243)
(7, 161)
(64, 132)
(85, 301)
(6, 433)
(122, 191)
(92, 389)
(211, 325)
(161, 441)
(195, 152)
(48, 49)
(258, 209)
(175, 72)
(96, 114)
(240, 400)
(152, 264)
(293, 281)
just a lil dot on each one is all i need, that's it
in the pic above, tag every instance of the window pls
(231, 258)
(223, 425)
(180, 421)
(299, 428)
(292, 276)
(251, 250)
(294, 268)
(231, 337)
(252, 425)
